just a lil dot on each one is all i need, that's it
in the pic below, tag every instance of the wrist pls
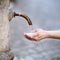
(47, 35)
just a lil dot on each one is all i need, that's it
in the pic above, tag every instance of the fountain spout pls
(24, 16)
(13, 14)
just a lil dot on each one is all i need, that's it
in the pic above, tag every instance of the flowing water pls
(31, 28)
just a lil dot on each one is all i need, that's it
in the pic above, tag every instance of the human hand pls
(36, 35)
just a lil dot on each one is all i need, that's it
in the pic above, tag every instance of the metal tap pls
(13, 14)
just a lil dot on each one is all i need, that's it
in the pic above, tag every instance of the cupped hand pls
(36, 35)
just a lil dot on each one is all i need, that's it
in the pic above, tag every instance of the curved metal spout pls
(24, 16)
(13, 14)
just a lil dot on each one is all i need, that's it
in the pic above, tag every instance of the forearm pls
(53, 34)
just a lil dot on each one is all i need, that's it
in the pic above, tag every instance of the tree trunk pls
(5, 53)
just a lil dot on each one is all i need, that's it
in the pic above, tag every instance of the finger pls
(26, 36)
(29, 36)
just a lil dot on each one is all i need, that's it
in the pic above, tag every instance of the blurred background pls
(44, 14)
